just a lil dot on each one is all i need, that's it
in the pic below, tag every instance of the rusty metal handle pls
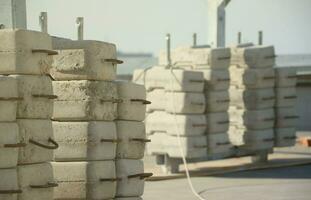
(113, 61)
(268, 98)
(268, 77)
(140, 140)
(48, 185)
(222, 143)
(199, 125)
(141, 176)
(224, 58)
(111, 100)
(49, 96)
(11, 191)
(11, 98)
(145, 102)
(109, 179)
(110, 140)
(18, 145)
(291, 97)
(50, 140)
(223, 122)
(47, 51)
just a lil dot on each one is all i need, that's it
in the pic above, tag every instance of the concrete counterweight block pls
(9, 188)
(177, 80)
(84, 60)
(85, 180)
(253, 99)
(216, 79)
(36, 181)
(285, 137)
(9, 145)
(36, 95)
(133, 101)
(253, 56)
(217, 122)
(25, 52)
(8, 99)
(286, 77)
(219, 144)
(132, 140)
(85, 141)
(85, 100)
(286, 97)
(164, 144)
(38, 137)
(131, 178)
(129, 198)
(185, 125)
(176, 102)
(259, 139)
(217, 101)
(216, 58)
(252, 78)
(286, 117)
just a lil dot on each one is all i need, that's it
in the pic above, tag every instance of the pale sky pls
(141, 25)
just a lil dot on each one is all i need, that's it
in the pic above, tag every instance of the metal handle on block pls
(50, 140)
(113, 61)
(48, 185)
(140, 140)
(141, 176)
(145, 102)
(47, 51)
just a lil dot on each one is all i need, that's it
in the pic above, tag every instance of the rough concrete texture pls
(286, 97)
(35, 175)
(37, 94)
(129, 186)
(129, 198)
(285, 137)
(39, 131)
(216, 58)
(85, 180)
(176, 102)
(9, 136)
(17, 55)
(193, 147)
(97, 60)
(8, 181)
(218, 143)
(8, 97)
(171, 80)
(217, 122)
(286, 117)
(253, 99)
(252, 78)
(133, 101)
(185, 125)
(215, 79)
(286, 77)
(132, 139)
(253, 56)
(217, 101)
(83, 141)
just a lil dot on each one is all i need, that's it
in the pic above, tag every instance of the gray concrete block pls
(286, 117)
(85, 141)
(219, 144)
(132, 139)
(85, 180)
(8, 99)
(164, 144)
(286, 77)
(176, 102)
(253, 56)
(178, 80)
(129, 198)
(216, 79)
(9, 140)
(217, 101)
(286, 97)
(185, 125)
(36, 181)
(38, 131)
(133, 101)
(285, 137)
(253, 99)
(9, 181)
(25, 52)
(217, 122)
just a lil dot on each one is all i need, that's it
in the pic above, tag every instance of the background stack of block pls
(286, 116)
(214, 63)
(252, 97)
(100, 152)
(178, 106)
(26, 101)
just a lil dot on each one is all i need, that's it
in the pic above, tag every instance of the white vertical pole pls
(43, 20)
(80, 27)
(168, 49)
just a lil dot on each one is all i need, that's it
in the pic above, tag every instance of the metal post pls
(195, 37)
(260, 38)
(168, 49)
(43, 21)
(80, 27)
(239, 37)
(13, 14)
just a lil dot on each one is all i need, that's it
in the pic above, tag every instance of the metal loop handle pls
(44, 96)
(18, 145)
(48, 185)
(113, 61)
(47, 51)
(141, 176)
(50, 140)
(110, 140)
(11, 191)
(140, 140)
(145, 102)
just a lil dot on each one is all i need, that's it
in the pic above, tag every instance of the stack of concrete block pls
(285, 107)
(178, 106)
(26, 101)
(214, 63)
(252, 97)
(100, 152)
